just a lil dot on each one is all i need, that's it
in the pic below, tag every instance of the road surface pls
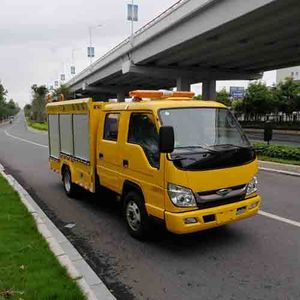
(280, 138)
(258, 258)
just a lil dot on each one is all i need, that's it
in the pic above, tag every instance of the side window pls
(111, 127)
(142, 131)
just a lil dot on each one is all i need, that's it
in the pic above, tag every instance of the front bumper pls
(211, 217)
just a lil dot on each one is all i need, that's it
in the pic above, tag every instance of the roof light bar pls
(153, 94)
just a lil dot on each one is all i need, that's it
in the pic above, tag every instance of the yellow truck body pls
(116, 145)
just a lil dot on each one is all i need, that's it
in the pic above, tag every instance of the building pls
(294, 72)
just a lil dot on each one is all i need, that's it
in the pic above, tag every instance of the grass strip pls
(28, 269)
(38, 126)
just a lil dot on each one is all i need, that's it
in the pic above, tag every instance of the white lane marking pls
(23, 140)
(281, 219)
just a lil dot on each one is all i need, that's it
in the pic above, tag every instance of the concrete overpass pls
(199, 41)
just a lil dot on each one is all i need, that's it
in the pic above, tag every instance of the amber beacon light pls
(160, 94)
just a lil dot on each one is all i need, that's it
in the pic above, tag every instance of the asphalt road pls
(278, 138)
(258, 258)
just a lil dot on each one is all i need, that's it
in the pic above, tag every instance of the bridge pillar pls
(183, 84)
(121, 96)
(209, 90)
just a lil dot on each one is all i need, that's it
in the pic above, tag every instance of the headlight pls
(181, 196)
(252, 186)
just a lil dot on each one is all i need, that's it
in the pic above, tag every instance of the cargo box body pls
(72, 139)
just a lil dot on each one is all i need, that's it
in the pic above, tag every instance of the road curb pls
(35, 130)
(280, 131)
(29, 128)
(268, 166)
(279, 171)
(67, 255)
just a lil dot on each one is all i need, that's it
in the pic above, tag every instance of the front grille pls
(234, 188)
(203, 205)
(215, 198)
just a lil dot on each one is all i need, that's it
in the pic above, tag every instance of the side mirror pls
(166, 139)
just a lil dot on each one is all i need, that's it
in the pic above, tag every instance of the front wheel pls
(136, 217)
(69, 186)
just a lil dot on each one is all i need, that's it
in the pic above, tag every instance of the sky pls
(38, 39)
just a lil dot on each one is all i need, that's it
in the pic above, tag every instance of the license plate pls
(241, 210)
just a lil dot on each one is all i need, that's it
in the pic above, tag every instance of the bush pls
(278, 151)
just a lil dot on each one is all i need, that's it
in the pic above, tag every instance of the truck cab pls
(184, 162)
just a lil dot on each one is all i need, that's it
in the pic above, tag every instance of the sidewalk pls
(279, 168)
(4, 123)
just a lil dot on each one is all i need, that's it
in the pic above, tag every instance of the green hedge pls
(278, 151)
(39, 126)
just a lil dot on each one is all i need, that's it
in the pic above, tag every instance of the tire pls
(70, 188)
(135, 215)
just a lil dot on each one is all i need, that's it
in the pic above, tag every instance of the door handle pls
(100, 155)
(125, 163)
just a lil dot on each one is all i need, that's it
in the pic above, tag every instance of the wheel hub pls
(133, 215)
(67, 181)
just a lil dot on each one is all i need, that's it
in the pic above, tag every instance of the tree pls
(62, 90)
(12, 107)
(9, 108)
(258, 100)
(287, 95)
(27, 110)
(238, 106)
(198, 97)
(224, 97)
(3, 92)
(38, 111)
(3, 110)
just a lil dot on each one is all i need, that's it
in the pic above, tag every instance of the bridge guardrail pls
(138, 32)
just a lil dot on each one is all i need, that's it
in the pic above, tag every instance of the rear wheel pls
(136, 217)
(70, 187)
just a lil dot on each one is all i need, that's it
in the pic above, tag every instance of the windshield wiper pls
(198, 147)
(179, 157)
(231, 145)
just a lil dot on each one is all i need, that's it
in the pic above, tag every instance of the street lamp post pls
(73, 69)
(132, 16)
(63, 74)
(132, 24)
(91, 49)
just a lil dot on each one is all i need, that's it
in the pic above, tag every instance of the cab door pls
(141, 161)
(108, 160)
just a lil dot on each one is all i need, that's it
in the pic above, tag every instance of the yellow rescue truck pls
(169, 157)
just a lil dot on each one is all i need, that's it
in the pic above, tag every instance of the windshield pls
(206, 127)
(206, 138)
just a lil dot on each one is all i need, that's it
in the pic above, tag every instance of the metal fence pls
(274, 118)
